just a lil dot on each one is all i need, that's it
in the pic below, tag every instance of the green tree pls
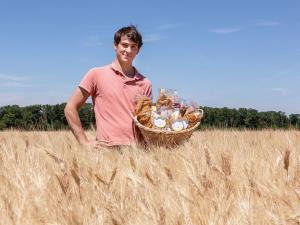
(11, 117)
(294, 120)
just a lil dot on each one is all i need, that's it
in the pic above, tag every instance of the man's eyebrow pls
(126, 43)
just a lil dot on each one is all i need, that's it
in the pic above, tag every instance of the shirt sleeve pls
(88, 82)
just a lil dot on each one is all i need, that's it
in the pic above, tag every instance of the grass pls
(219, 177)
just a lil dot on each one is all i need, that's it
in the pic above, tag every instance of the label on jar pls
(160, 123)
(177, 125)
(185, 124)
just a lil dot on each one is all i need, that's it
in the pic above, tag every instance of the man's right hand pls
(71, 112)
(92, 145)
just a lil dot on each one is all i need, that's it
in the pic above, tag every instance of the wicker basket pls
(164, 138)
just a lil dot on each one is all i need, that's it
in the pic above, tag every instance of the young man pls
(113, 89)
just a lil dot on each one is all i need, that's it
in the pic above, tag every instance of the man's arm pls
(71, 112)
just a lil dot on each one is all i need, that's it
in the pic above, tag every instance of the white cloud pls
(225, 30)
(281, 91)
(92, 41)
(153, 38)
(268, 23)
(12, 78)
(14, 84)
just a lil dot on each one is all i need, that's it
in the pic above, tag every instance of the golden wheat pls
(219, 177)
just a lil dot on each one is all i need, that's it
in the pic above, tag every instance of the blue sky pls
(218, 53)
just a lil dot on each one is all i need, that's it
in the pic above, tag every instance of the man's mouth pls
(126, 56)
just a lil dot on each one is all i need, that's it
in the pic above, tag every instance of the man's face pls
(126, 50)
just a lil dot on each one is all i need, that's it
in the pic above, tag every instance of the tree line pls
(42, 117)
(51, 117)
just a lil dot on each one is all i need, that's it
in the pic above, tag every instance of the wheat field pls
(218, 177)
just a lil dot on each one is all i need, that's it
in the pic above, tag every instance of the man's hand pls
(94, 144)
(71, 112)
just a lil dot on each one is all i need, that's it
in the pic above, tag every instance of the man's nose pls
(129, 49)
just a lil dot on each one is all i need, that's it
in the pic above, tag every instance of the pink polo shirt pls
(113, 96)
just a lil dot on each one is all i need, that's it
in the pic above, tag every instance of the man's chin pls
(127, 60)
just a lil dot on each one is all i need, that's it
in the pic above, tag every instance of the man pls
(113, 89)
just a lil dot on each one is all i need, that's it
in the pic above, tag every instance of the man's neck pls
(127, 70)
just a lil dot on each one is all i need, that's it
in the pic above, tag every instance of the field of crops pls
(219, 177)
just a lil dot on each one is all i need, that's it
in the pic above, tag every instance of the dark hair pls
(131, 33)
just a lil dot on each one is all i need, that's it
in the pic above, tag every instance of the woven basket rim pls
(163, 131)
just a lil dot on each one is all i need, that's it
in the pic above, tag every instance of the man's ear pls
(115, 45)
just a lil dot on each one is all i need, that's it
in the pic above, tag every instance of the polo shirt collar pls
(137, 75)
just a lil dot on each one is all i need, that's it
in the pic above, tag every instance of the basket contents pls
(169, 113)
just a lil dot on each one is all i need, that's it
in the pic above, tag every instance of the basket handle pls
(201, 113)
(132, 116)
